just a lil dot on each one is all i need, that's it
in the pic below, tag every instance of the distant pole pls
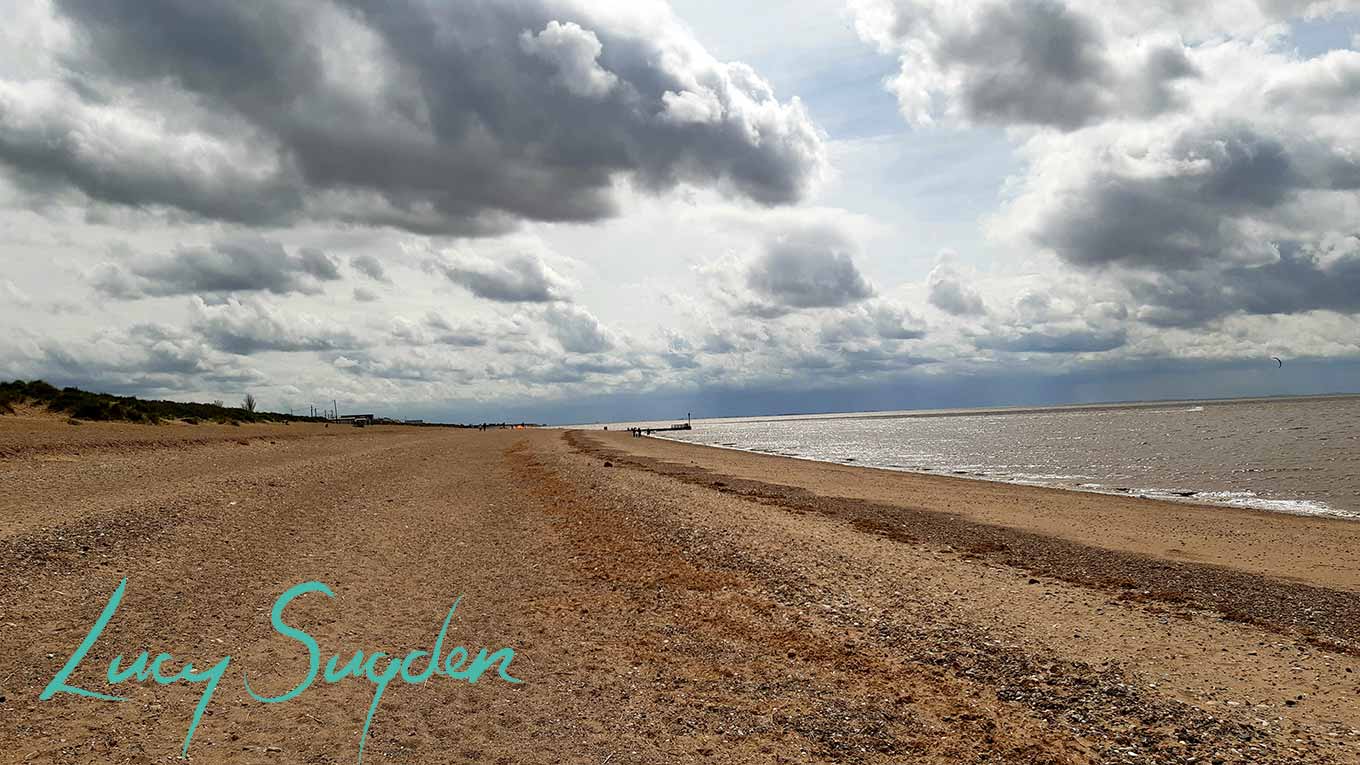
(335, 409)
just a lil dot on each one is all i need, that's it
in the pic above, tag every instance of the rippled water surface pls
(1290, 455)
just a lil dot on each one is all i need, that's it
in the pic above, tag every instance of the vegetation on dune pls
(83, 405)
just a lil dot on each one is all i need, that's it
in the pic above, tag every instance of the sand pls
(666, 603)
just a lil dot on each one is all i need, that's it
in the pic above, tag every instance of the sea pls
(1291, 455)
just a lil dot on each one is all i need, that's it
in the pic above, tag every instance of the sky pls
(570, 211)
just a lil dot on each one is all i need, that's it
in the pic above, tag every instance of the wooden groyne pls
(640, 432)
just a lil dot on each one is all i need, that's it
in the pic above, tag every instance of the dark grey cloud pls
(238, 265)
(318, 264)
(1304, 278)
(1031, 61)
(463, 118)
(1179, 220)
(809, 268)
(1152, 91)
(369, 266)
(1210, 236)
(1020, 62)
(950, 294)
(518, 278)
(45, 146)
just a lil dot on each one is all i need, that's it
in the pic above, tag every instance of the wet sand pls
(666, 602)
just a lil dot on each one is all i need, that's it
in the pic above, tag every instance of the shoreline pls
(1332, 616)
(1321, 550)
(1160, 495)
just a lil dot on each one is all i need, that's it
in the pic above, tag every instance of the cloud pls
(318, 264)
(575, 53)
(371, 267)
(1181, 153)
(571, 370)
(411, 367)
(1221, 183)
(800, 267)
(868, 338)
(439, 118)
(720, 342)
(1203, 219)
(950, 294)
(436, 330)
(808, 269)
(678, 352)
(1062, 319)
(13, 295)
(880, 320)
(462, 335)
(1056, 340)
(1032, 61)
(1028, 62)
(1322, 276)
(252, 326)
(144, 359)
(55, 141)
(521, 277)
(1195, 198)
(577, 330)
(228, 266)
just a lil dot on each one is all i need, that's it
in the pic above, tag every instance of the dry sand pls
(667, 603)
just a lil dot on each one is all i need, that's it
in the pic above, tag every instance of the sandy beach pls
(665, 602)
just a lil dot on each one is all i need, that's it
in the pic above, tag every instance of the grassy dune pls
(84, 405)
